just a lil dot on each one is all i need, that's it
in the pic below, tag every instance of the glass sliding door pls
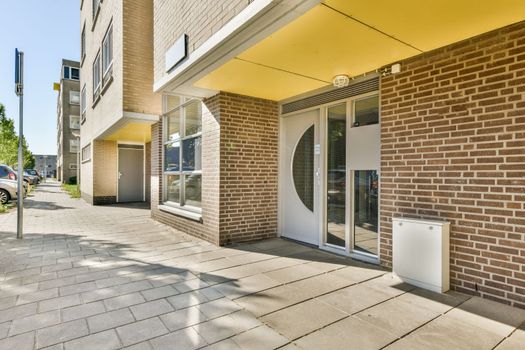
(366, 186)
(336, 176)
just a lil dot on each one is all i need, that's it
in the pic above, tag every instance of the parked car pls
(35, 174)
(32, 179)
(8, 184)
(8, 190)
(6, 172)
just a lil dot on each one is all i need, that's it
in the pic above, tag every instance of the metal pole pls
(20, 194)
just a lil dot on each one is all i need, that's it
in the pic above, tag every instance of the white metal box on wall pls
(421, 253)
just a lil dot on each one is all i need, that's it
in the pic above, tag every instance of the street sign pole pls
(19, 89)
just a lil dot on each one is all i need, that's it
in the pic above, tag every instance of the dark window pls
(303, 168)
(366, 111)
(75, 74)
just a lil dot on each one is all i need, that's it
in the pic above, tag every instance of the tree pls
(9, 143)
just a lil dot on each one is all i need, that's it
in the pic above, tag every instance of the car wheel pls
(4, 196)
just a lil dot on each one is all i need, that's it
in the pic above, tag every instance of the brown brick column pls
(249, 168)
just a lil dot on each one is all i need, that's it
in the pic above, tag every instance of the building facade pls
(321, 121)
(46, 165)
(68, 121)
(118, 104)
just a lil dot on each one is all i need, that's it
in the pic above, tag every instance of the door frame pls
(322, 193)
(143, 166)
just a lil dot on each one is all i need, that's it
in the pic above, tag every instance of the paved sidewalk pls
(109, 277)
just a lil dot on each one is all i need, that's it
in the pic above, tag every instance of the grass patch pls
(5, 207)
(73, 190)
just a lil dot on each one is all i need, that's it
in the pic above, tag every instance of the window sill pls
(181, 212)
(106, 81)
(96, 98)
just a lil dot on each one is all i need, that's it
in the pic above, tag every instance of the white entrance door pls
(300, 177)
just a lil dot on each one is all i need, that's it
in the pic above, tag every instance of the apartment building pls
(46, 165)
(68, 120)
(118, 105)
(321, 121)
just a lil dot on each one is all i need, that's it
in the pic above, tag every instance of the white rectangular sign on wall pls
(177, 52)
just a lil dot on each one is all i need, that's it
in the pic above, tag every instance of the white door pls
(300, 177)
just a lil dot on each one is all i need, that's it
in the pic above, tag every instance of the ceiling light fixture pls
(341, 80)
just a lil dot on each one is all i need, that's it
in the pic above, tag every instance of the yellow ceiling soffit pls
(304, 55)
(134, 132)
(354, 37)
(250, 79)
(431, 24)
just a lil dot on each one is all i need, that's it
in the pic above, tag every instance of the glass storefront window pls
(192, 190)
(183, 152)
(336, 176)
(193, 118)
(366, 190)
(173, 188)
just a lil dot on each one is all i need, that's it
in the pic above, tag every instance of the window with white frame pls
(74, 97)
(83, 101)
(74, 122)
(86, 153)
(182, 155)
(71, 73)
(73, 146)
(96, 77)
(107, 51)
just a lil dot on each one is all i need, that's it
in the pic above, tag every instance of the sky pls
(46, 31)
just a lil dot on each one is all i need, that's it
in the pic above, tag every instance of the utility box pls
(421, 253)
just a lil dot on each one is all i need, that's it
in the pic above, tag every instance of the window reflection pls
(191, 154)
(366, 189)
(366, 111)
(172, 157)
(336, 176)
(192, 189)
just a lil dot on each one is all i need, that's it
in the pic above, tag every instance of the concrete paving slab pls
(71, 282)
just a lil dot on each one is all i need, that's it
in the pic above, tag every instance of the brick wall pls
(104, 171)
(239, 171)
(208, 229)
(249, 168)
(138, 58)
(453, 147)
(207, 17)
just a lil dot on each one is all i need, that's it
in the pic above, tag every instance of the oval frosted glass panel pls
(303, 168)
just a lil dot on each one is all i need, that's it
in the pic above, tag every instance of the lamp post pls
(19, 90)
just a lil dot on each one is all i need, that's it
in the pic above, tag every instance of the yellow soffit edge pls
(431, 24)
(354, 37)
(133, 132)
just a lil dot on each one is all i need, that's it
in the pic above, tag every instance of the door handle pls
(119, 175)
(318, 175)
